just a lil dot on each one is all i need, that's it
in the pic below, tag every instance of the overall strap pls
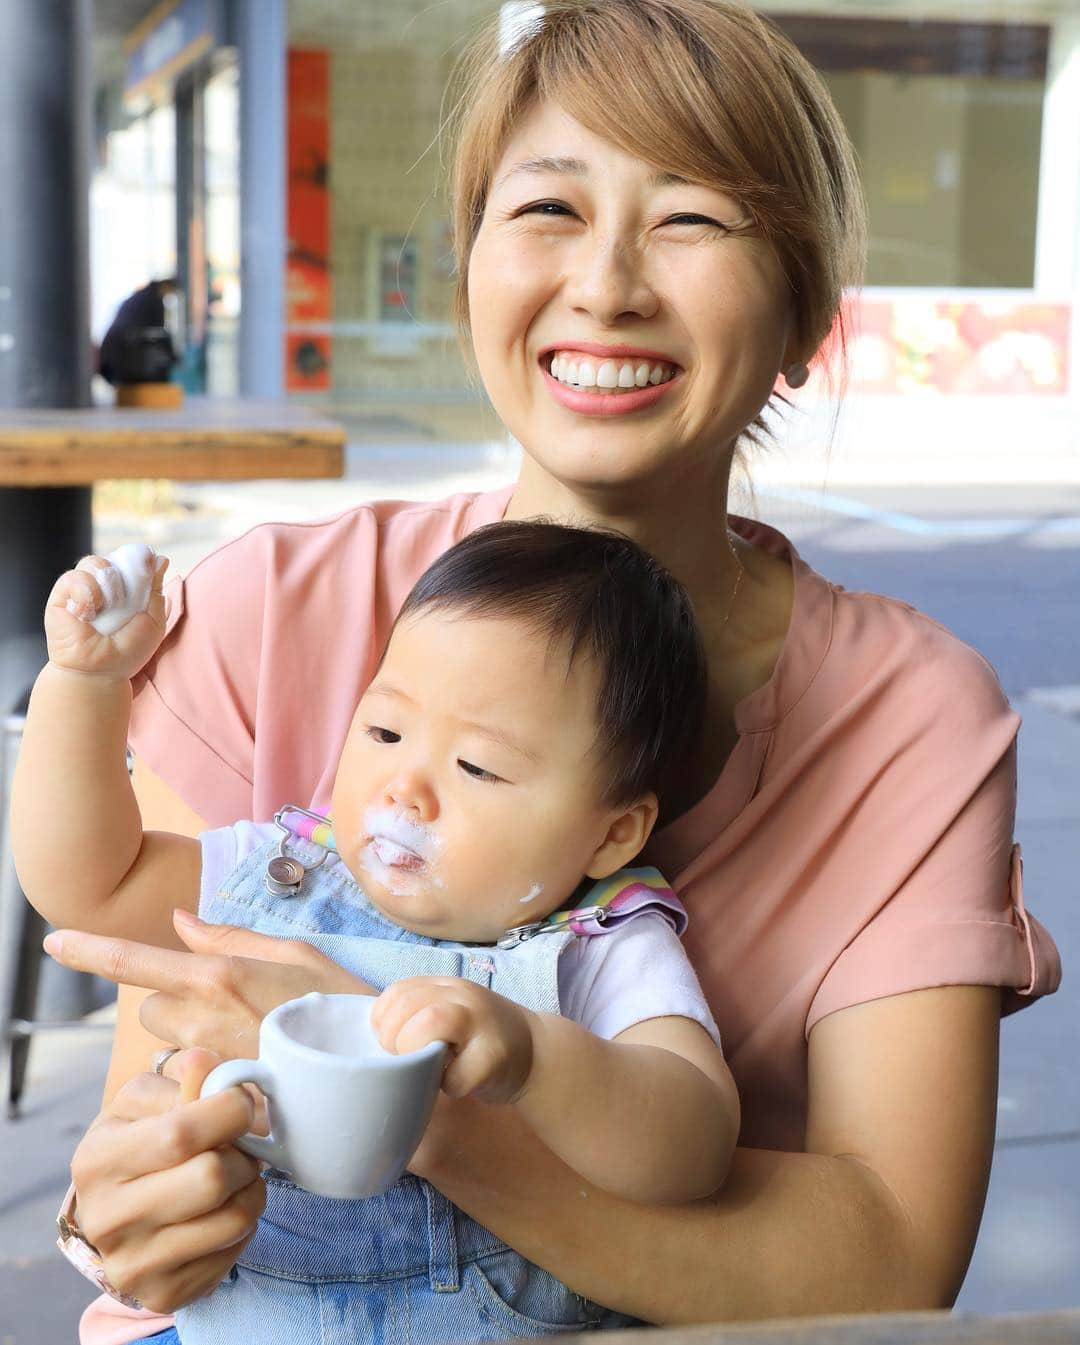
(607, 904)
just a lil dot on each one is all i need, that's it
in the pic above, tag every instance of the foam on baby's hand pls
(125, 582)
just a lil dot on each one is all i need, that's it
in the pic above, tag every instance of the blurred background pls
(280, 159)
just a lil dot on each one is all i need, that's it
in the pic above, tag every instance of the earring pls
(795, 375)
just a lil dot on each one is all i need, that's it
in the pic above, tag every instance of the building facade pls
(965, 115)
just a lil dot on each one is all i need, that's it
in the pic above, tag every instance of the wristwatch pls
(83, 1255)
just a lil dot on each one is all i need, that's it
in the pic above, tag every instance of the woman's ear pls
(626, 836)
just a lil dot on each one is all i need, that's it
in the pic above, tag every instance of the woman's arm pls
(880, 1213)
(133, 1046)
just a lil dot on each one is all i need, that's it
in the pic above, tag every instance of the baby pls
(540, 691)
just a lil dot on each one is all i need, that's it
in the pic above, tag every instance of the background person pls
(657, 183)
(140, 312)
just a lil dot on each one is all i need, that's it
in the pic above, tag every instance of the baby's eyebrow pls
(391, 693)
(502, 739)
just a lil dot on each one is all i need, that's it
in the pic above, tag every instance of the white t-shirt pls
(607, 982)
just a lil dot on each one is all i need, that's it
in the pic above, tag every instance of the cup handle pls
(231, 1072)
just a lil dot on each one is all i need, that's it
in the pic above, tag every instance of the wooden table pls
(49, 462)
(205, 439)
(917, 1328)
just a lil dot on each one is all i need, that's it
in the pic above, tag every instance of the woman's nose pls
(412, 790)
(608, 279)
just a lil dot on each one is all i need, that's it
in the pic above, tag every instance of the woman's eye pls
(551, 209)
(478, 772)
(381, 735)
(695, 219)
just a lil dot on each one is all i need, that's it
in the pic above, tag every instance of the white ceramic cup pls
(345, 1114)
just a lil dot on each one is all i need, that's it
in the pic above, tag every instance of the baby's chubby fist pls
(489, 1036)
(107, 616)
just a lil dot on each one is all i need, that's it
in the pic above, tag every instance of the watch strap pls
(83, 1255)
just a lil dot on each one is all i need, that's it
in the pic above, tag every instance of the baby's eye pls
(478, 772)
(382, 735)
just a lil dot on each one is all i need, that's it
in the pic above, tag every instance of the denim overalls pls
(406, 1267)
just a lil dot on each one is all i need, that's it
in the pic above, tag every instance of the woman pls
(655, 194)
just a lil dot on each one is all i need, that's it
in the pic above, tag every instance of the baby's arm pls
(652, 1115)
(82, 857)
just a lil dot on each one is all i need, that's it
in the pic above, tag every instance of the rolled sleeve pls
(958, 917)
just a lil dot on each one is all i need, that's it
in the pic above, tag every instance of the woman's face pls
(591, 258)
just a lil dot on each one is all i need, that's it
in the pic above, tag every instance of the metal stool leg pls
(24, 1003)
(15, 985)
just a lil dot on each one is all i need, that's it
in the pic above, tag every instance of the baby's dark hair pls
(596, 593)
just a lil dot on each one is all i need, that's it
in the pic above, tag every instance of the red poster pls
(307, 266)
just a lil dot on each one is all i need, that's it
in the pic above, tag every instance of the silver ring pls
(163, 1057)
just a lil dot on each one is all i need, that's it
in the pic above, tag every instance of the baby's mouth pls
(394, 855)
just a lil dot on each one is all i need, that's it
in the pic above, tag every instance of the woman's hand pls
(161, 1192)
(490, 1037)
(216, 995)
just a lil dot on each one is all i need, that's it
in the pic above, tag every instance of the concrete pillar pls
(262, 39)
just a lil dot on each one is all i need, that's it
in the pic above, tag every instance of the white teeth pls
(608, 375)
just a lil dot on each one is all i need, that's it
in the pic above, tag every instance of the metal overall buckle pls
(522, 933)
(284, 872)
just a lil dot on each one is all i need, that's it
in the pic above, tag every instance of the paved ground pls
(999, 565)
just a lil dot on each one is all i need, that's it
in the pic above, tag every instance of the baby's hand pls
(107, 616)
(490, 1037)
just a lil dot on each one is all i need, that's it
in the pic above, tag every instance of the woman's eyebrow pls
(579, 168)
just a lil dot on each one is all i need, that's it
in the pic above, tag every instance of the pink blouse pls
(857, 844)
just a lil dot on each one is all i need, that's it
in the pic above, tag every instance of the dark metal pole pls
(44, 174)
(44, 298)
(45, 119)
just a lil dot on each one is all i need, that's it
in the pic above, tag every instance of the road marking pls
(1064, 699)
(921, 527)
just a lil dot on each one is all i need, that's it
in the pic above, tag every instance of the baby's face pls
(468, 797)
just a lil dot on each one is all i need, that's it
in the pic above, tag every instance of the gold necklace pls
(735, 590)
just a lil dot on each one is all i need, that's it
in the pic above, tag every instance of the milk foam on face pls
(125, 583)
(398, 841)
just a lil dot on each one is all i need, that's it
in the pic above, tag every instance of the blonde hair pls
(705, 89)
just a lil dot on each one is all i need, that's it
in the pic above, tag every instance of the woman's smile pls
(578, 386)
(597, 380)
